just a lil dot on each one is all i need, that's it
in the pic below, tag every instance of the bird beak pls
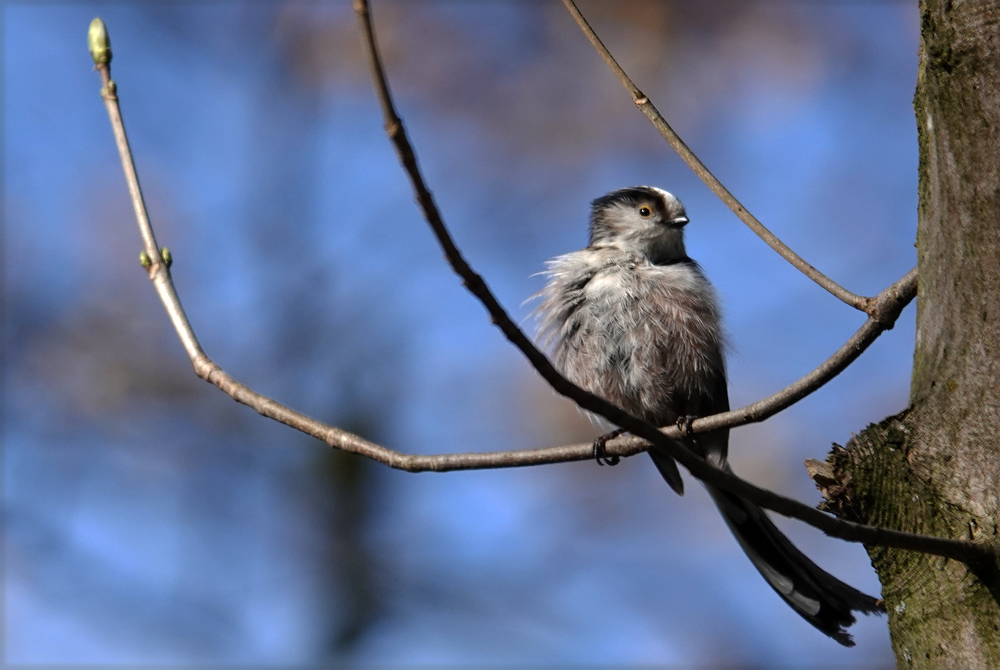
(678, 222)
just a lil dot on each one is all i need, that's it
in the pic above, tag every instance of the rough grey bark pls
(935, 468)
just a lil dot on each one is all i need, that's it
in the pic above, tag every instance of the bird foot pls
(600, 455)
(684, 424)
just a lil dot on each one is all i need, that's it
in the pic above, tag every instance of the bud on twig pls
(97, 40)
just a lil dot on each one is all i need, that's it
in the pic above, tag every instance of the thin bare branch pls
(970, 553)
(973, 554)
(649, 110)
(158, 266)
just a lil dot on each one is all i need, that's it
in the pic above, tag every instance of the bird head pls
(642, 220)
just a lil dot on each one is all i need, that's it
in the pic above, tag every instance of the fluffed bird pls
(633, 319)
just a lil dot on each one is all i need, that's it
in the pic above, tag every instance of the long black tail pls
(818, 597)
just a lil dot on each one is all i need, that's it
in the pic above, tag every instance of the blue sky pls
(151, 520)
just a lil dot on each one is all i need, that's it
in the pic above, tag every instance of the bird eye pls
(644, 212)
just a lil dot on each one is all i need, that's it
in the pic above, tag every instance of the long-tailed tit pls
(632, 319)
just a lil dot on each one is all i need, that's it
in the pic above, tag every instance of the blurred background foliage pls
(149, 519)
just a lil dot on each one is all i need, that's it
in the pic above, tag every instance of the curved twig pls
(892, 301)
(649, 110)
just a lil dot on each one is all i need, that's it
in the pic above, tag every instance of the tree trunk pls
(935, 468)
